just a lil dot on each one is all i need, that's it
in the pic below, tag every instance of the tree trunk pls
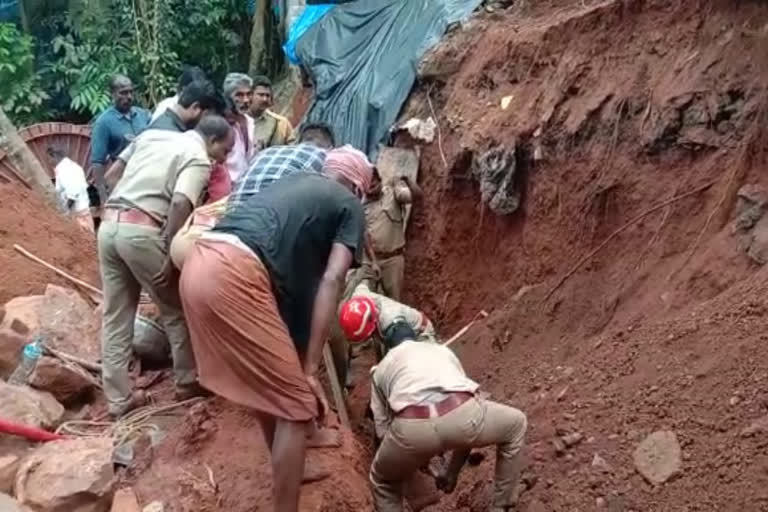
(26, 163)
(259, 50)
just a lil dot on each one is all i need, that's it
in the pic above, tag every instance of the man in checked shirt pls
(270, 165)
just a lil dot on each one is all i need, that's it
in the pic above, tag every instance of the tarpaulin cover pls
(310, 16)
(363, 57)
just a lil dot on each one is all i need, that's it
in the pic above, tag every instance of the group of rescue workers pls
(252, 243)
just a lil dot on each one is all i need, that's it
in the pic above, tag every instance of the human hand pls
(166, 276)
(322, 401)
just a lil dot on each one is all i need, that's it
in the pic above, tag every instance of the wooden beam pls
(338, 393)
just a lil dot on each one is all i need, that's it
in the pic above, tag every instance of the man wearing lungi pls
(260, 291)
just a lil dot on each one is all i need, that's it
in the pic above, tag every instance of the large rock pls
(66, 383)
(61, 316)
(20, 320)
(11, 344)
(8, 504)
(9, 464)
(74, 475)
(658, 458)
(25, 405)
(68, 322)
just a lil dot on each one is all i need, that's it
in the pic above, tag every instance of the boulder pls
(68, 322)
(66, 383)
(73, 475)
(9, 464)
(61, 316)
(658, 457)
(8, 504)
(25, 405)
(11, 345)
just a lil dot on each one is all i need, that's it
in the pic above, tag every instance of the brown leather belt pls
(129, 216)
(423, 412)
(381, 255)
(199, 219)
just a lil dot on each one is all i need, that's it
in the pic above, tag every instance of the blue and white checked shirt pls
(273, 163)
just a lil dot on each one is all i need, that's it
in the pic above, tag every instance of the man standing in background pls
(195, 100)
(71, 187)
(271, 129)
(112, 131)
(239, 88)
(189, 75)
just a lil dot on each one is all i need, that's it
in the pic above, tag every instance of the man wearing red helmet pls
(367, 313)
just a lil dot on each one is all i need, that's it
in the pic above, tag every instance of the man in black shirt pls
(260, 291)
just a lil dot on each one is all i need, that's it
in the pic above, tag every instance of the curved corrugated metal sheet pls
(75, 139)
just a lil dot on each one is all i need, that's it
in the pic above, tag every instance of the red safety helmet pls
(358, 318)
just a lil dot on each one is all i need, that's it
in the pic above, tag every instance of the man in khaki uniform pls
(423, 404)
(163, 181)
(385, 220)
(270, 129)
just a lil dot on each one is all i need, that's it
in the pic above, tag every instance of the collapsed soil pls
(26, 220)
(613, 107)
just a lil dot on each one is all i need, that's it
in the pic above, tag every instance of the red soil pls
(637, 102)
(26, 220)
(662, 329)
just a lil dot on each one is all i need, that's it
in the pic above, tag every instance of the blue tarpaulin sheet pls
(311, 15)
(363, 58)
(9, 10)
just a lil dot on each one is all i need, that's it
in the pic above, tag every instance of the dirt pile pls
(624, 298)
(26, 220)
(227, 441)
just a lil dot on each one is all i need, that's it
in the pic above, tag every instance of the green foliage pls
(80, 48)
(21, 94)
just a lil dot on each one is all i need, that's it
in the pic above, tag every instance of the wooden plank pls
(338, 393)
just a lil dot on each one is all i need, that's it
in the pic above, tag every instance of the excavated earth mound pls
(627, 291)
(26, 220)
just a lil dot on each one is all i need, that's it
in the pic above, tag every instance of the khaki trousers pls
(390, 283)
(129, 256)
(410, 444)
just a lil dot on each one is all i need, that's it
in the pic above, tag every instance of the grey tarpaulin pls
(363, 58)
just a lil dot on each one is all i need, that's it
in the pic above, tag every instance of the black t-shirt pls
(292, 226)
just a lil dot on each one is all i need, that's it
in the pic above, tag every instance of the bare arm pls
(114, 173)
(325, 304)
(181, 208)
(93, 171)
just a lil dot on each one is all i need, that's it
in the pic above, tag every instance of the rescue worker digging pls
(385, 215)
(260, 291)
(164, 179)
(367, 314)
(423, 404)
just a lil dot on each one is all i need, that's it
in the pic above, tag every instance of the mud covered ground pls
(626, 293)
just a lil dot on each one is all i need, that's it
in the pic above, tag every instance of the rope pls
(124, 429)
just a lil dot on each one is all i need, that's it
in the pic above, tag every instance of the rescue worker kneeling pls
(423, 404)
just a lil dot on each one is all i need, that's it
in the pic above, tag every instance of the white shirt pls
(71, 185)
(163, 106)
(239, 158)
(414, 373)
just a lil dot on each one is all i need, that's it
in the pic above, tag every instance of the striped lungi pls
(242, 346)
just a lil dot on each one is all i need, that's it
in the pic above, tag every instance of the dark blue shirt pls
(113, 131)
